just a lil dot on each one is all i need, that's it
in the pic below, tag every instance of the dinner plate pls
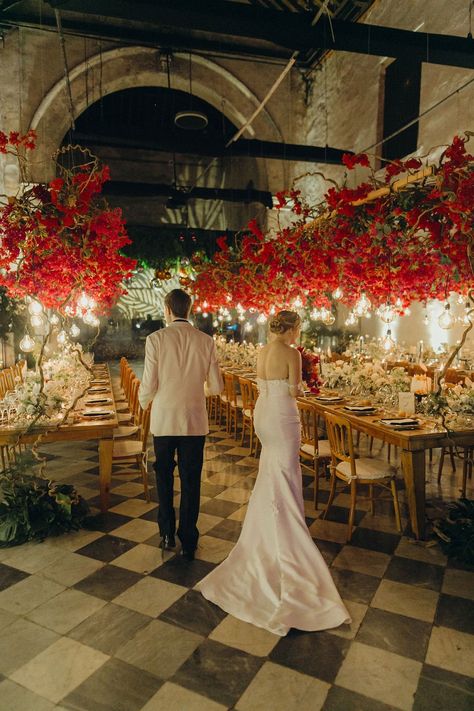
(98, 401)
(328, 399)
(98, 413)
(396, 421)
(360, 409)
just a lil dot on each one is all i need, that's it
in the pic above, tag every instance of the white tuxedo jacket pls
(180, 370)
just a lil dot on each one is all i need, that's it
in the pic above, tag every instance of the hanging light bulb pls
(75, 331)
(337, 293)
(34, 307)
(205, 314)
(386, 313)
(27, 343)
(297, 303)
(446, 320)
(388, 344)
(328, 317)
(315, 314)
(272, 311)
(368, 315)
(36, 320)
(241, 317)
(398, 303)
(248, 327)
(54, 319)
(205, 305)
(198, 310)
(261, 319)
(460, 299)
(351, 319)
(62, 337)
(363, 305)
(83, 301)
(69, 310)
(215, 323)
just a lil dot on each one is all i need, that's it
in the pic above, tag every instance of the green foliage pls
(162, 247)
(32, 507)
(10, 319)
(456, 531)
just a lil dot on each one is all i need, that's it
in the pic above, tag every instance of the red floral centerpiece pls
(310, 365)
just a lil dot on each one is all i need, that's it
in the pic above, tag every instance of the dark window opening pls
(401, 105)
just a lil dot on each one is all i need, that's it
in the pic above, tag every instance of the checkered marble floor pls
(98, 621)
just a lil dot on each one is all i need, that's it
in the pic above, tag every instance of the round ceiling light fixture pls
(191, 120)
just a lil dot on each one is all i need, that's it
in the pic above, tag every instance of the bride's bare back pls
(278, 361)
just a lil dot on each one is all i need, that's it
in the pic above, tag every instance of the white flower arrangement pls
(238, 355)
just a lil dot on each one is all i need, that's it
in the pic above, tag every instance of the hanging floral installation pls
(387, 242)
(61, 240)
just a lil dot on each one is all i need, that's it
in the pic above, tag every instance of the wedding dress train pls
(275, 577)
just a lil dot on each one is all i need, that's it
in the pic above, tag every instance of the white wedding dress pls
(275, 577)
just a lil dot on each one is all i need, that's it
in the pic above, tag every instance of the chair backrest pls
(133, 401)
(454, 376)
(123, 367)
(144, 422)
(309, 423)
(246, 392)
(230, 387)
(254, 392)
(340, 440)
(9, 376)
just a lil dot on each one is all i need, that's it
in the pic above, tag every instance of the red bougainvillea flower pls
(409, 243)
(59, 240)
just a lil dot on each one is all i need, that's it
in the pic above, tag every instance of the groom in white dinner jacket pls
(180, 370)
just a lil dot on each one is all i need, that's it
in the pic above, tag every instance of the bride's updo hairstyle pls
(284, 321)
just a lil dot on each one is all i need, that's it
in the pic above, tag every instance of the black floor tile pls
(180, 571)
(456, 612)
(9, 576)
(106, 522)
(459, 565)
(107, 548)
(414, 572)
(219, 672)
(395, 633)
(339, 699)
(319, 655)
(341, 515)
(219, 507)
(116, 686)
(375, 540)
(228, 529)
(355, 586)
(328, 549)
(150, 516)
(194, 613)
(108, 582)
(110, 628)
(440, 689)
(208, 489)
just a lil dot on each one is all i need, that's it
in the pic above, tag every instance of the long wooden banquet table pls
(79, 429)
(413, 445)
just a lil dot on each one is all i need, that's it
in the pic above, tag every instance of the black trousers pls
(190, 451)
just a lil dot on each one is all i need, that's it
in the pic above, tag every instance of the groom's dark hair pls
(179, 303)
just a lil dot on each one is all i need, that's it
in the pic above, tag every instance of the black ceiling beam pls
(198, 146)
(292, 30)
(236, 28)
(119, 188)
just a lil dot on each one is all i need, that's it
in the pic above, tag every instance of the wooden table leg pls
(413, 466)
(105, 471)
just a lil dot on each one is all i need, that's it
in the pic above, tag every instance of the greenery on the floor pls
(456, 531)
(32, 507)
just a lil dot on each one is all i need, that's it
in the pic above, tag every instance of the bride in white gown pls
(275, 577)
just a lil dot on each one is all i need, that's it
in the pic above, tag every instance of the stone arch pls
(127, 67)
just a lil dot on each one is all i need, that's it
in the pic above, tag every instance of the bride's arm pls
(294, 373)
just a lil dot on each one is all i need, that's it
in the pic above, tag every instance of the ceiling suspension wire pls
(415, 120)
(57, 15)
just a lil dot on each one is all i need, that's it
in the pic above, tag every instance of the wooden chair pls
(234, 402)
(254, 401)
(130, 430)
(248, 404)
(135, 451)
(312, 448)
(356, 471)
(467, 460)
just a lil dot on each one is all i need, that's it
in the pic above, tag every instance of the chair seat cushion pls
(127, 448)
(324, 450)
(126, 431)
(367, 468)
